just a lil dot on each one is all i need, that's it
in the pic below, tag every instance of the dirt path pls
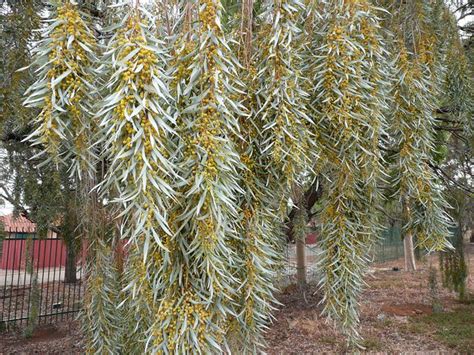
(57, 339)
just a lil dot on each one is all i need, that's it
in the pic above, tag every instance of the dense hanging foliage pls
(349, 90)
(63, 62)
(418, 75)
(193, 128)
(453, 267)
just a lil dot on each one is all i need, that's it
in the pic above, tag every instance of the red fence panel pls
(13, 251)
(47, 284)
(46, 253)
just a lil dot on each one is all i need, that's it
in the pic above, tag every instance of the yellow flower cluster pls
(208, 16)
(66, 55)
(425, 47)
(368, 35)
(209, 126)
(122, 105)
(209, 121)
(247, 213)
(186, 306)
(356, 5)
(341, 105)
(183, 71)
(73, 22)
(207, 227)
(49, 136)
(145, 287)
(138, 74)
(337, 33)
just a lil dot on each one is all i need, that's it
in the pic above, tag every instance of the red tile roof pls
(19, 224)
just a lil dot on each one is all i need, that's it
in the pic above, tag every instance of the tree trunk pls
(301, 261)
(409, 250)
(70, 272)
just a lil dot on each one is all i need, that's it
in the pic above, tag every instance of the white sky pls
(5, 208)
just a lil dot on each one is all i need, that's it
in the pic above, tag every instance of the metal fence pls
(388, 247)
(287, 274)
(36, 284)
(37, 281)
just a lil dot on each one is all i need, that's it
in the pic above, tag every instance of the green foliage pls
(414, 103)
(458, 93)
(63, 89)
(455, 328)
(102, 330)
(136, 128)
(454, 270)
(440, 151)
(281, 109)
(267, 128)
(17, 35)
(348, 106)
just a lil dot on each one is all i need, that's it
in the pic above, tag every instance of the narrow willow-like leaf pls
(418, 76)
(64, 90)
(196, 285)
(137, 126)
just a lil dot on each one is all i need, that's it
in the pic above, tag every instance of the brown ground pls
(60, 338)
(390, 308)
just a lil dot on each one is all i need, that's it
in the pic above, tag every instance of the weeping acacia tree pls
(191, 136)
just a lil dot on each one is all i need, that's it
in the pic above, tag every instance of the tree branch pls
(442, 174)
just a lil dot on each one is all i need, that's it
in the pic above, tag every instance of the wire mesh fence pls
(39, 282)
(388, 247)
(287, 273)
